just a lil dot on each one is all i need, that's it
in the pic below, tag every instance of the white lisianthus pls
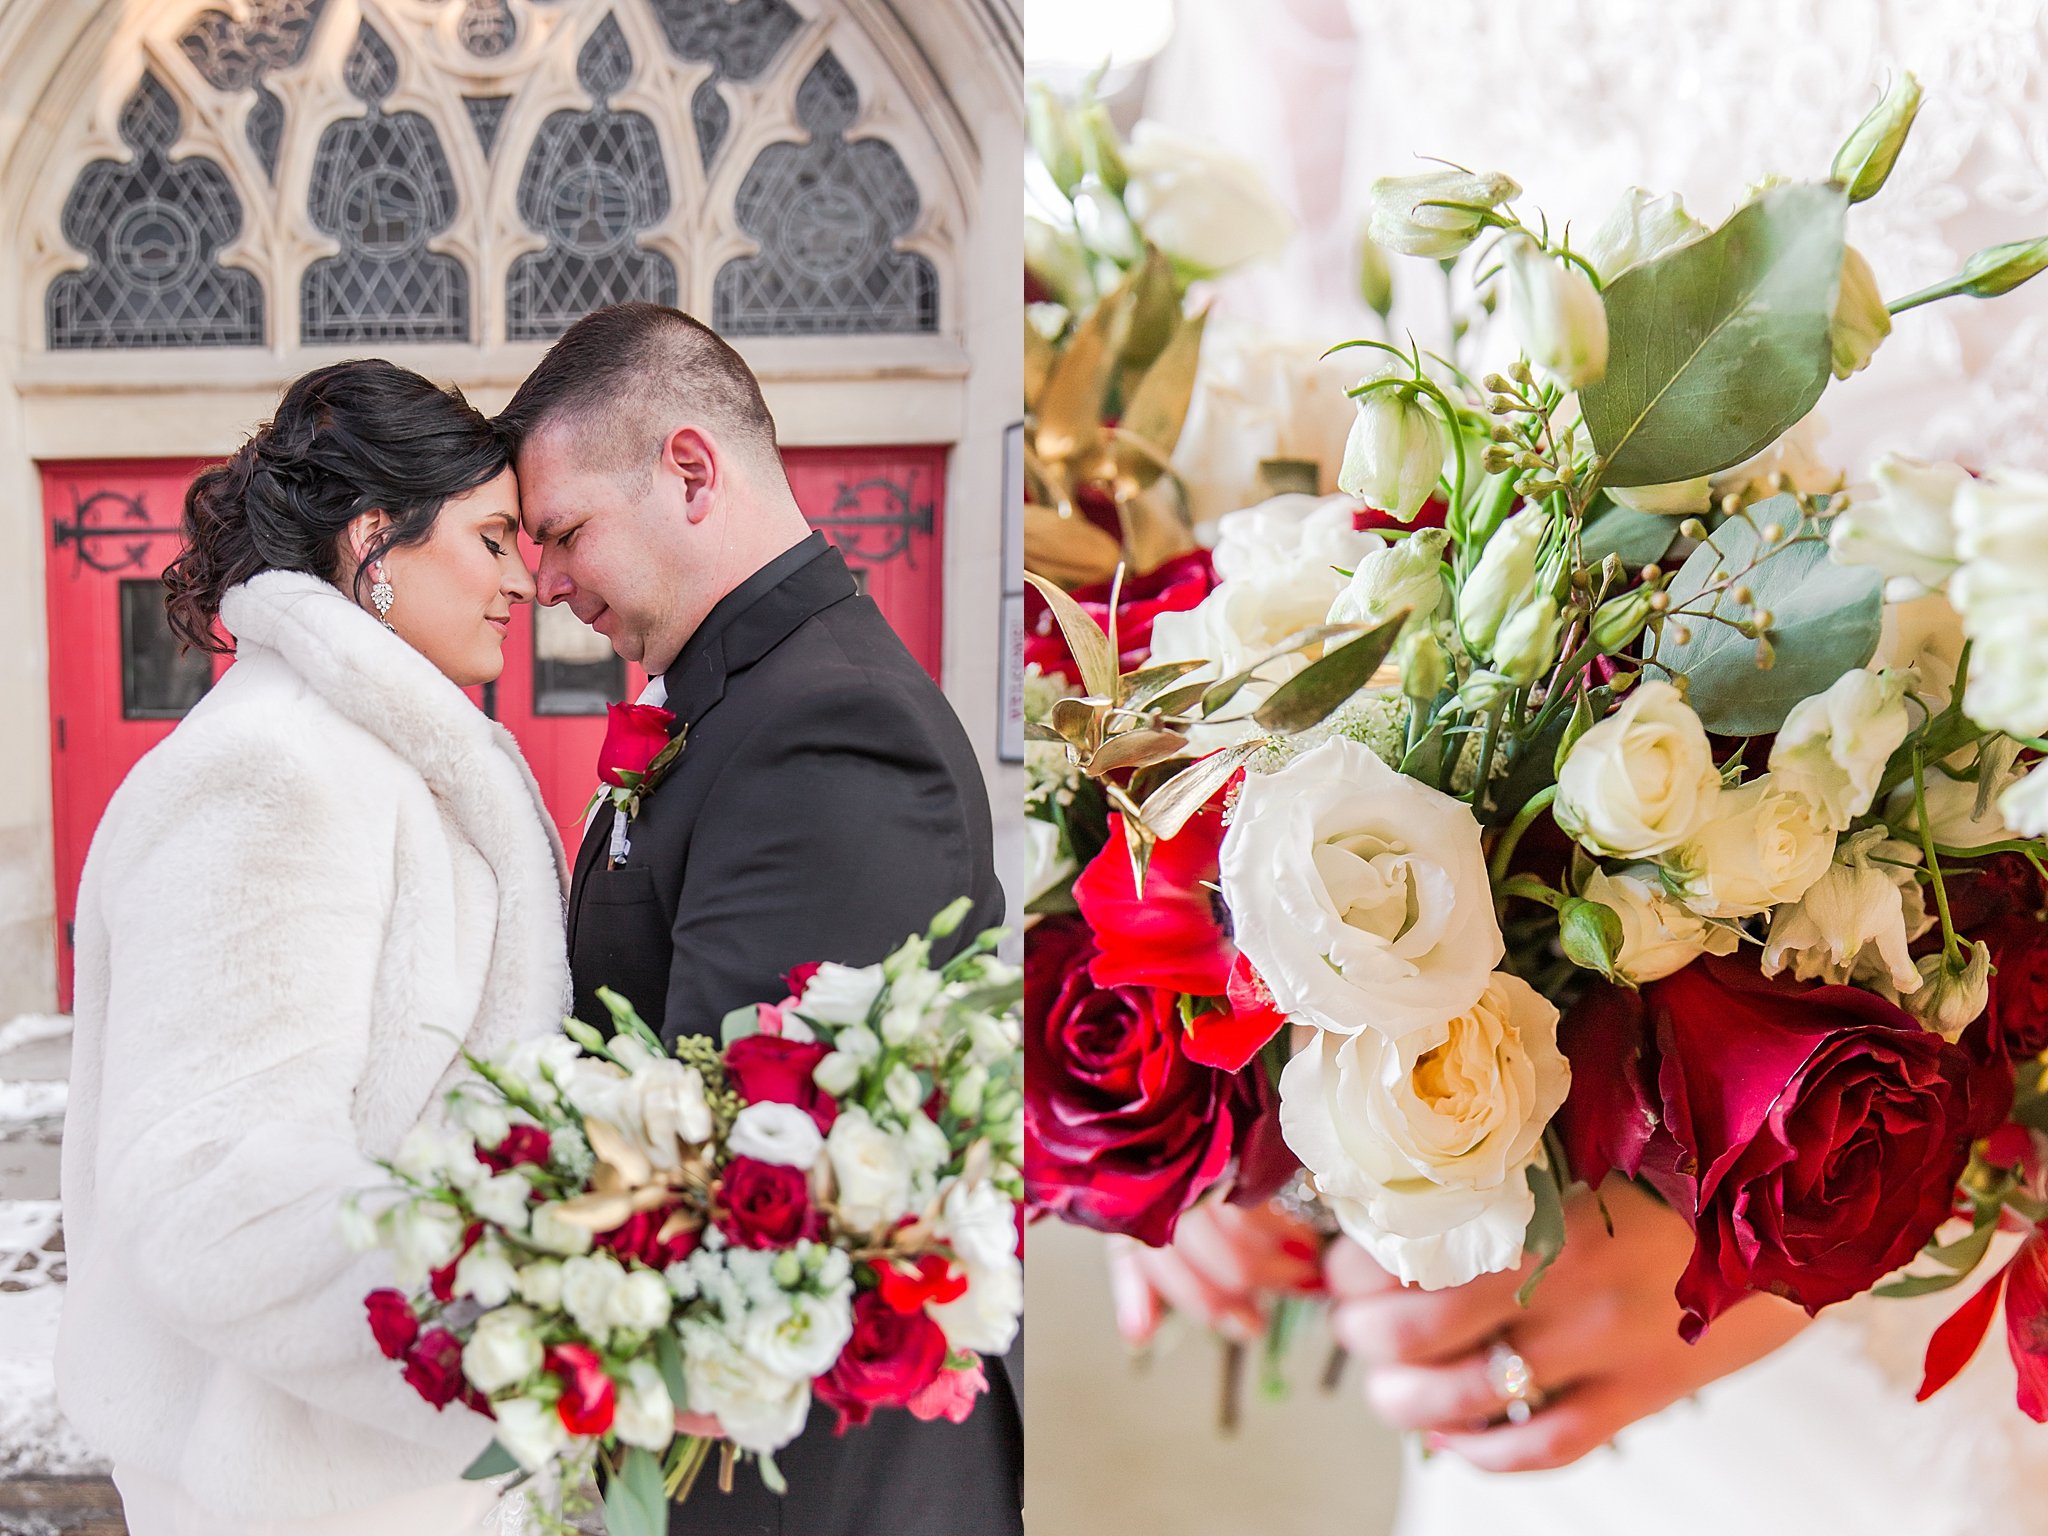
(800, 1335)
(1435, 214)
(424, 1235)
(1860, 320)
(487, 1275)
(433, 1153)
(588, 1281)
(1640, 228)
(639, 1303)
(1407, 574)
(504, 1350)
(531, 1431)
(872, 1169)
(2002, 536)
(836, 1073)
(1394, 453)
(910, 1014)
(1526, 644)
(924, 1143)
(979, 1223)
(1420, 1145)
(1559, 318)
(983, 1319)
(540, 1284)
(646, 1414)
(760, 1410)
(1200, 204)
(1503, 581)
(552, 1234)
(841, 995)
(1856, 921)
(1906, 531)
(1048, 863)
(1658, 936)
(485, 1119)
(2024, 805)
(502, 1199)
(1922, 640)
(776, 1133)
(1763, 848)
(1360, 895)
(1833, 747)
(1641, 781)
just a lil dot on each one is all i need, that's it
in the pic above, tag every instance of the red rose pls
(1122, 1130)
(522, 1144)
(1811, 1135)
(772, 1069)
(891, 1358)
(932, 1280)
(640, 1238)
(633, 735)
(766, 1205)
(443, 1279)
(588, 1397)
(799, 978)
(1372, 520)
(392, 1321)
(2014, 1023)
(1171, 936)
(1181, 583)
(950, 1396)
(433, 1367)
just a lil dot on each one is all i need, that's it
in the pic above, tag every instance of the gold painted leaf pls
(1084, 637)
(1068, 548)
(1159, 407)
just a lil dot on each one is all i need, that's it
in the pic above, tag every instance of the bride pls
(332, 876)
(1770, 1423)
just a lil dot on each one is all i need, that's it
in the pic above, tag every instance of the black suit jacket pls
(825, 805)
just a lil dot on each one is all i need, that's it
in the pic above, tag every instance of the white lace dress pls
(1578, 99)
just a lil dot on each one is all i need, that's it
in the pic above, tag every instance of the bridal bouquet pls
(1595, 785)
(613, 1243)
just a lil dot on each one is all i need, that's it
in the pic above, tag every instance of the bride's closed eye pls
(494, 546)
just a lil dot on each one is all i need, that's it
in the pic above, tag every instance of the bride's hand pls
(1600, 1336)
(1224, 1259)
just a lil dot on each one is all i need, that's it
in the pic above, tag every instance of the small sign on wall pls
(1010, 733)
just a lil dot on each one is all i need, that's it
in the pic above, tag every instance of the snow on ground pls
(31, 1028)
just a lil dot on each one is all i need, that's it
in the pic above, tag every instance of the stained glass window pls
(738, 38)
(152, 230)
(382, 187)
(592, 183)
(236, 55)
(827, 214)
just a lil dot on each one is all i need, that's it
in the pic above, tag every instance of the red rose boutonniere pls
(637, 754)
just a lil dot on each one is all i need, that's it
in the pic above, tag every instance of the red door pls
(118, 683)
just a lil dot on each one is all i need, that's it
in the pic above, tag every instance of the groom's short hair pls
(624, 376)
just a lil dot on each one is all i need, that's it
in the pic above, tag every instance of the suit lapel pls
(588, 853)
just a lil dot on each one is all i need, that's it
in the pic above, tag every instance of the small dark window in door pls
(159, 681)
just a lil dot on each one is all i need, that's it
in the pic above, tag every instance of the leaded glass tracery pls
(382, 187)
(152, 230)
(592, 183)
(738, 38)
(236, 56)
(827, 214)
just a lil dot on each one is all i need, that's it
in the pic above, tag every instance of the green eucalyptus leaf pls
(1825, 621)
(1916, 1285)
(1545, 1237)
(668, 1359)
(1716, 347)
(739, 1023)
(635, 1503)
(1640, 538)
(495, 1461)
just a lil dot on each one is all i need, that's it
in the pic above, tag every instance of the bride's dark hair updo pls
(346, 439)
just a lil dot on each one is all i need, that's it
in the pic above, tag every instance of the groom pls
(824, 806)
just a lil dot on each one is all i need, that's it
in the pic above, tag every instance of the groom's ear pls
(691, 455)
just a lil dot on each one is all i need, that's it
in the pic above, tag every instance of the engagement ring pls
(1509, 1376)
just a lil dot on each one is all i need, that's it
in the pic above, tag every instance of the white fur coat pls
(333, 870)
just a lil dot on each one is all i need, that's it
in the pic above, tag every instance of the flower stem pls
(1950, 948)
(1525, 818)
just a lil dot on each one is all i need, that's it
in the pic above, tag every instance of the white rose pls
(487, 1275)
(1833, 747)
(1856, 921)
(1658, 936)
(1420, 1145)
(1640, 228)
(587, 1285)
(532, 1431)
(761, 1410)
(646, 1414)
(555, 1235)
(1559, 319)
(2025, 804)
(1201, 204)
(1641, 781)
(502, 1200)
(983, 1319)
(1048, 864)
(872, 1169)
(775, 1133)
(979, 1223)
(801, 1335)
(540, 1284)
(503, 1351)
(1906, 528)
(1360, 896)
(639, 1303)
(1922, 640)
(1407, 574)
(425, 1235)
(2002, 536)
(1763, 848)
(841, 994)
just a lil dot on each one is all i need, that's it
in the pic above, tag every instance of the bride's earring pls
(382, 596)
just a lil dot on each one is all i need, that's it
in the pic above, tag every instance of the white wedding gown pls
(1578, 99)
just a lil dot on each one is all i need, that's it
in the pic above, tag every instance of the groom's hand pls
(1223, 1263)
(1600, 1336)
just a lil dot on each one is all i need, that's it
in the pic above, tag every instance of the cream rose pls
(1420, 1145)
(503, 1351)
(1658, 936)
(1763, 848)
(1360, 895)
(1202, 204)
(1641, 781)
